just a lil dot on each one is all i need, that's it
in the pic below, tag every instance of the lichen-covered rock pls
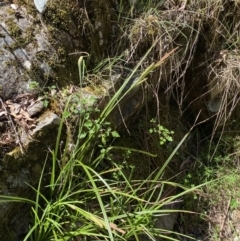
(41, 5)
(45, 123)
(19, 46)
(30, 55)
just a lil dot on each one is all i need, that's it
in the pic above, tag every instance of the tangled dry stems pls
(225, 82)
(180, 23)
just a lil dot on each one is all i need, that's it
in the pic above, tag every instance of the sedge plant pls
(82, 203)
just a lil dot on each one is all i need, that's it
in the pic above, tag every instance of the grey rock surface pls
(41, 5)
(165, 221)
(45, 122)
(16, 58)
(35, 108)
(28, 53)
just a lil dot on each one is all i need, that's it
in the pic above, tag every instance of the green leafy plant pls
(33, 85)
(49, 92)
(164, 134)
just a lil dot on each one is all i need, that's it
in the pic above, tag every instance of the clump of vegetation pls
(85, 198)
(203, 72)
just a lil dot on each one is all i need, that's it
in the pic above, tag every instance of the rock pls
(41, 5)
(164, 222)
(35, 108)
(214, 104)
(30, 52)
(45, 122)
(18, 55)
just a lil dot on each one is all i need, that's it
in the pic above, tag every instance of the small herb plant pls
(164, 134)
(33, 85)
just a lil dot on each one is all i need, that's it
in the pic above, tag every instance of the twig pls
(13, 126)
(224, 220)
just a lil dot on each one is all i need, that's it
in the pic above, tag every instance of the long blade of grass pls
(4, 199)
(115, 99)
(38, 193)
(160, 172)
(98, 195)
